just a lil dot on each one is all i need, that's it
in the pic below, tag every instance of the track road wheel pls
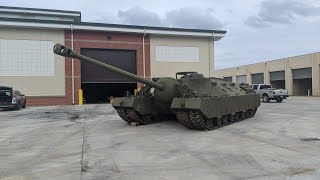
(236, 117)
(247, 113)
(242, 115)
(253, 111)
(250, 113)
(230, 118)
(218, 121)
(224, 119)
(209, 123)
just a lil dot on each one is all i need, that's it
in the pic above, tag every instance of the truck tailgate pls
(281, 92)
(5, 96)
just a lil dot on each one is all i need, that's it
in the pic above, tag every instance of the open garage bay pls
(91, 142)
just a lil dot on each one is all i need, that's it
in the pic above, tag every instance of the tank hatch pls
(190, 74)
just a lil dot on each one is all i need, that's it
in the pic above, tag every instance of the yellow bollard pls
(80, 97)
(136, 91)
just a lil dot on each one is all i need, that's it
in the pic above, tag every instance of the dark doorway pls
(241, 79)
(228, 78)
(100, 92)
(257, 78)
(302, 81)
(277, 79)
(99, 84)
(279, 84)
(302, 86)
(122, 59)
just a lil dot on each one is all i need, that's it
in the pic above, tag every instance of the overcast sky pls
(258, 30)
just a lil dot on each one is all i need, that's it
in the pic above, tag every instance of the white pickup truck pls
(268, 93)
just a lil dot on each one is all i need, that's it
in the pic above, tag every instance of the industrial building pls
(28, 64)
(299, 75)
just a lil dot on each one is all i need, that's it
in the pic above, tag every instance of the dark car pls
(12, 99)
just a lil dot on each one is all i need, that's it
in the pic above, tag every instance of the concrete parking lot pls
(91, 142)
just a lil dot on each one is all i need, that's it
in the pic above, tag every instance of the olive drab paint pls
(195, 101)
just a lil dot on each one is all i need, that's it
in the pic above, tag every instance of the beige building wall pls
(37, 85)
(285, 64)
(165, 69)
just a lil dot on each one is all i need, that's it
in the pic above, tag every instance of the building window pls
(26, 58)
(177, 54)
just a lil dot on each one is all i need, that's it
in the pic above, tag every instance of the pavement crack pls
(84, 165)
(273, 144)
(310, 139)
(84, 161)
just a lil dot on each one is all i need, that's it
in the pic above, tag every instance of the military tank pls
(195, 101)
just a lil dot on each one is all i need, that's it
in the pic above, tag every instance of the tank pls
(193, 100)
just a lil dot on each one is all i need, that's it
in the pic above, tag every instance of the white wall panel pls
(177, 54)
(49, 81)
(26, 58)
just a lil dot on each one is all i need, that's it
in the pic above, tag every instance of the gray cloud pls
(185, 18)
(282, 12)
(190, 17)
(139, 16)
(241, 45)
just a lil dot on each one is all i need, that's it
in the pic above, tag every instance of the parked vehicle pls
(12, 99)
(268, 93)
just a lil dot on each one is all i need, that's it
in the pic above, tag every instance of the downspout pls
(144, 54)
(212, 39)
(72, 67)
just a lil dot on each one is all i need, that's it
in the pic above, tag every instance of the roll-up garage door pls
(242, 79)
(277, 76)
(303, 73)
(123, 59)
(302, 81)
(228, 78)
(257, 78)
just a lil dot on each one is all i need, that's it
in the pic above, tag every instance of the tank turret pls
(197, 102)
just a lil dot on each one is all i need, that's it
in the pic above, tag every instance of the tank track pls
(183, 118)
(131, 116)
(194, 119)
(191, 119)
(124, 115)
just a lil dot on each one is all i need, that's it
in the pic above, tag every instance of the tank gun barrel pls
(66, 52)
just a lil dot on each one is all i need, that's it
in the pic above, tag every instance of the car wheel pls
(279, 99)
(24, 104)
(19, 106)
(265, 98)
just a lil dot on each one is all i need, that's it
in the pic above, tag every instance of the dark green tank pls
(195, 101)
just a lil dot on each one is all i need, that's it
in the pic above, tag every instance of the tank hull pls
(197, 102)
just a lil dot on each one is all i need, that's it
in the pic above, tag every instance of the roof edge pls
(114, 26)
(39, 9)
(155, 27)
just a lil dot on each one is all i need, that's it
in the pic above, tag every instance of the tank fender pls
(217, 106)
(205, 105)
(186, 103)
(143, 105)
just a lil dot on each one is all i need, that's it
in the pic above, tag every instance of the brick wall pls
(101, 40)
